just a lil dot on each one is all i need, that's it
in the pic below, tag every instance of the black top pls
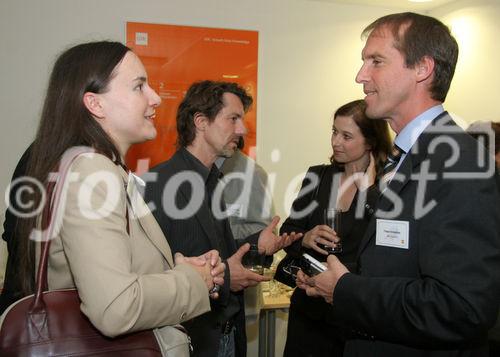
(352, 227)
(351, 231)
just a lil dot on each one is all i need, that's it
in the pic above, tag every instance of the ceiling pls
(396, 4)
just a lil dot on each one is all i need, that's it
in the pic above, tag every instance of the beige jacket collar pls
(138, 209)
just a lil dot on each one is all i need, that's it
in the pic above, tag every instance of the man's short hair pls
(416, 36)
(205, 97)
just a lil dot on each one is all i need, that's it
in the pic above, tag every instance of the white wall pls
(475, 89)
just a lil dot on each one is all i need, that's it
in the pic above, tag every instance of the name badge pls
(393, 234)
(233, 210)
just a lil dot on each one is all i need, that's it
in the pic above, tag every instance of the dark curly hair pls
(205, 97)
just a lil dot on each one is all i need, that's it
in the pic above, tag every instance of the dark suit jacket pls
(439, 296)
(193, 235)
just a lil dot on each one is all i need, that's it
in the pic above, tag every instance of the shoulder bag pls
(50, 323)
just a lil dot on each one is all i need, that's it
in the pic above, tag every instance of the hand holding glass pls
(253, 260)
(332, 220)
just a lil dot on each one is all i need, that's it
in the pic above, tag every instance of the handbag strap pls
(50, 219)
(41, 280)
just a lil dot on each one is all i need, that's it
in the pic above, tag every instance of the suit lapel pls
(413, 159)
(384, 203)
(145, 218)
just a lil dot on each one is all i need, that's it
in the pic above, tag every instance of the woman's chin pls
(150, 135)
(339, 159)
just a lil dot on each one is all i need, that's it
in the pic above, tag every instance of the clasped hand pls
(208, 265)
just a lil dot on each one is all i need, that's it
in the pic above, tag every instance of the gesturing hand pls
(241, 277)
(269, 243)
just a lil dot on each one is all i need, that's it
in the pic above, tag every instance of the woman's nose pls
(154, 98)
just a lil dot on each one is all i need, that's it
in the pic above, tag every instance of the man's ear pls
(200, 121)
(424, 68)
(92, 102)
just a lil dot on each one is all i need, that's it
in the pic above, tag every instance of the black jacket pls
(439, 296)
(12, 285)
(193, 235)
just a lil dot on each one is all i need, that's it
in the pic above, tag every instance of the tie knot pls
(391, 163)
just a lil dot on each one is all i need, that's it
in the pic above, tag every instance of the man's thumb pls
(242, 251)
(332, 261)
(274, 223)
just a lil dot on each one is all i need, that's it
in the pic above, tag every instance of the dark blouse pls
(351, 229)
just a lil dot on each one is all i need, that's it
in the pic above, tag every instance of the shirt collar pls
(410, 133)
(198, 166)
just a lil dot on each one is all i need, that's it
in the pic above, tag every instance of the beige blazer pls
(126, 282)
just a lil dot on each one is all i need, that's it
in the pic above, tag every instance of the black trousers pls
(310, 333)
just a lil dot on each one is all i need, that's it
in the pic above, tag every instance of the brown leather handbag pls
(50, 323)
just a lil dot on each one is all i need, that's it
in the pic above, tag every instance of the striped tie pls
(391, 163)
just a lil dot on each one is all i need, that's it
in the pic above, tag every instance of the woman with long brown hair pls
(360, 146)
(108, 246)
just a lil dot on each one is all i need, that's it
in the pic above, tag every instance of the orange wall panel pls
(175, 57)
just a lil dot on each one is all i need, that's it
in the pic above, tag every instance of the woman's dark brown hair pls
(375, 131)
(65, 122)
